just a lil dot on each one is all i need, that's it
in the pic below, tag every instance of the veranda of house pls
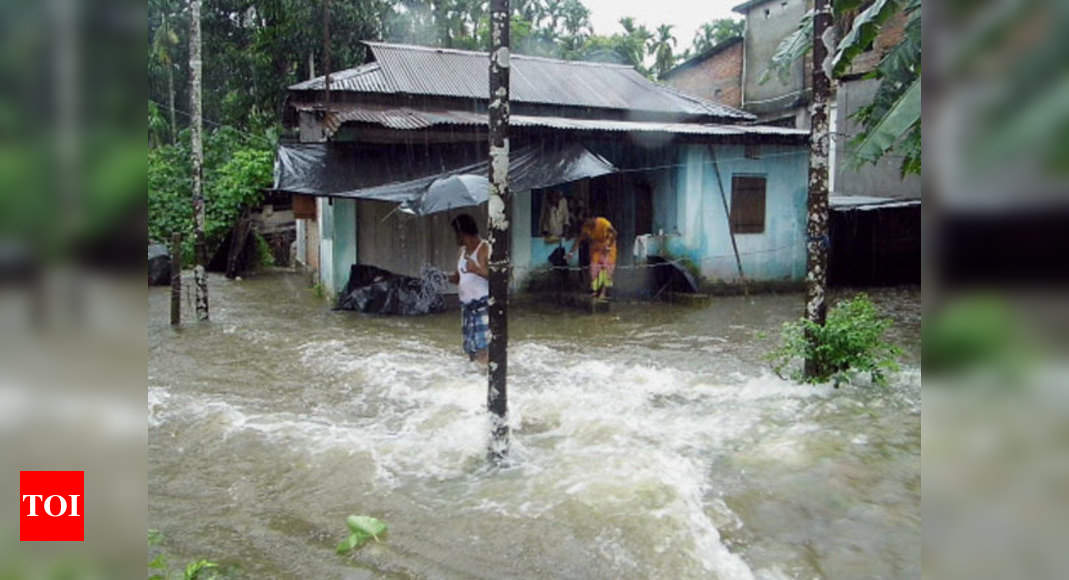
(690, 175)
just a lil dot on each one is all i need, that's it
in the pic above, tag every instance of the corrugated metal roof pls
(420, 70)
(367, 78)
(865, 203)
(404, 118)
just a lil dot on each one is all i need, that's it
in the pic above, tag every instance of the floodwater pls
(650, 442)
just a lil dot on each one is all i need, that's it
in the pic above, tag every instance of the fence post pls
(176, 278)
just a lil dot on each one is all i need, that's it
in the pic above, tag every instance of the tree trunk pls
(498, 209)
(170, 91)
(817, 224)
(326, 52)
(199, 276)
(170, 102)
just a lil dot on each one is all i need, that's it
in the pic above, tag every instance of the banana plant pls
(892, 121)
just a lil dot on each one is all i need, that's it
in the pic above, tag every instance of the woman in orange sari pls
(602, 238)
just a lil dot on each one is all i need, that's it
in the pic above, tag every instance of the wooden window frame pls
(748, 219)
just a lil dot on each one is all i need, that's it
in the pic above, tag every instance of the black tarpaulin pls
(320, 169)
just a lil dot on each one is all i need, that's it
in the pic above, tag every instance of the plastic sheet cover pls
(319, 169)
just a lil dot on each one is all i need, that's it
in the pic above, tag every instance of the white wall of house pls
(325, 222)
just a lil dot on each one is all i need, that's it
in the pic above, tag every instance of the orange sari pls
(602, 253)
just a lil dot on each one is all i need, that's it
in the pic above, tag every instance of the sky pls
(686, 15)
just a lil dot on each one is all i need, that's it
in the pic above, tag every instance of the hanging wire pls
(265, 140)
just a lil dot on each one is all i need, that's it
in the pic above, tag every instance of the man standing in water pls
(472, 280)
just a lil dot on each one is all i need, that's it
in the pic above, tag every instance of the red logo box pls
(51, 506)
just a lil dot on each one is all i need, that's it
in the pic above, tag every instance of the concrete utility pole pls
(817, 225)
(199, 276)
(499, 201)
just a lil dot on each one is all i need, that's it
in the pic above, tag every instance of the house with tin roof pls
(680, 177)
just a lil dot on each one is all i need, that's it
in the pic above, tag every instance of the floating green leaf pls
(362, 529)
(193, 569)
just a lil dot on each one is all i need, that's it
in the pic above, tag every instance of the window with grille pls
(747, 204)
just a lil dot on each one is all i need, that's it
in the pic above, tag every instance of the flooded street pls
(651, 442)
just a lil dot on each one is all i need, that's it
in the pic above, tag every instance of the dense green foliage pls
(236, 168)
(713, 33)
(850, 342)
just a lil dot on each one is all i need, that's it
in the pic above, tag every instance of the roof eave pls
(746, 6)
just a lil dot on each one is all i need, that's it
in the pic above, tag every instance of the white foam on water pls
(612, 441)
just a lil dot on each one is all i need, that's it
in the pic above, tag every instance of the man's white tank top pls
(471, 286)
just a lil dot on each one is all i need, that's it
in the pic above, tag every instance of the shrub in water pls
(850, 342)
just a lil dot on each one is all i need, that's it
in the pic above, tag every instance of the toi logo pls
(51, 506)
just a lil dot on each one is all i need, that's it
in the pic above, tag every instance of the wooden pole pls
(817, 223)
(176, 278)
(199, 277)
(727, 215)
(498, 210)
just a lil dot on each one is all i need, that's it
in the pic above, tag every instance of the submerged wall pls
(687, 219)
(697, 226)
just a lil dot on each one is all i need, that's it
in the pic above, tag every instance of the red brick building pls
(715, 75)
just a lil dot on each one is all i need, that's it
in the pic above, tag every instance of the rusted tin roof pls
(367, 78)
(420, 70)
(404, 118)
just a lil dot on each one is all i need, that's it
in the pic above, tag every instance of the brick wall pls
(717, 78)
(890, 35)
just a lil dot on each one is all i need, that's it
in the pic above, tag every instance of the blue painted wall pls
(688, 208)
(344, 241)
(699, 225)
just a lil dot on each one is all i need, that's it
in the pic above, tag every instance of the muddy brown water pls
(649, 442)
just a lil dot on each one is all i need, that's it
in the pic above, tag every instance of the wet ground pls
(652, 441)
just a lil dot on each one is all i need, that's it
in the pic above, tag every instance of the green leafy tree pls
(634, 41)
(714, 32)
(660, 48)
(163, 50)
(237, 167)
(577, 29)
(628, 48)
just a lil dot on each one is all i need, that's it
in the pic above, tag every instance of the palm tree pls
(163, 43)
(529, 10)
(633, 45)
(713, 33)
(576, 25)
(553, 10)
(661, 49)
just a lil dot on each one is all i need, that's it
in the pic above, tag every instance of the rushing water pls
(651, 442)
